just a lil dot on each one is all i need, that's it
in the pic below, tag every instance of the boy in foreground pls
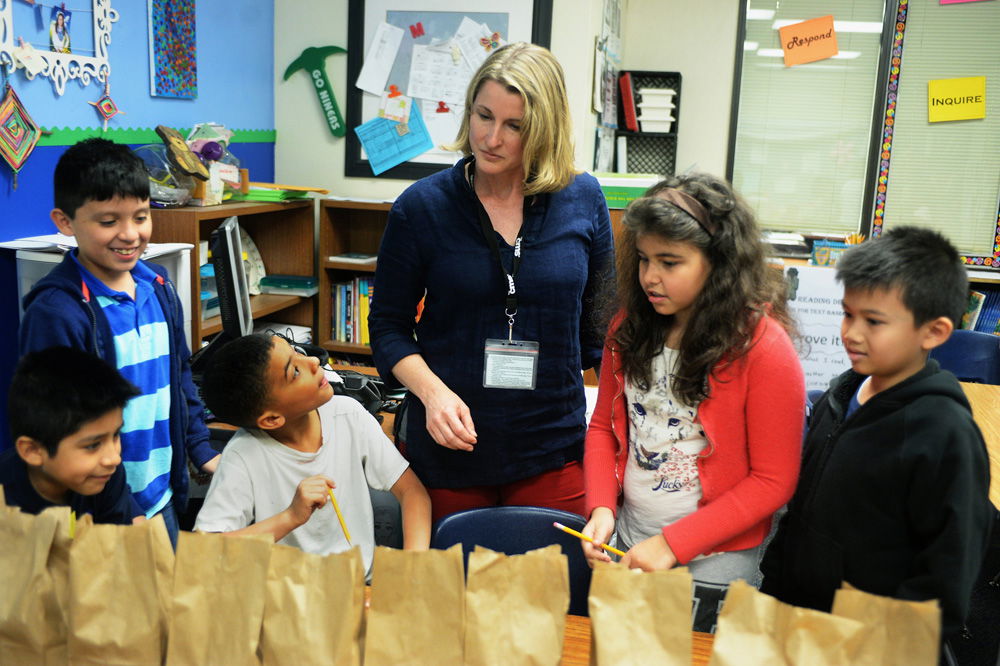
(297, 442)
(101, 298)
(893, 493)
(65, 412)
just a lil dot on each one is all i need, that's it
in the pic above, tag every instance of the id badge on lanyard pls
(510, 363)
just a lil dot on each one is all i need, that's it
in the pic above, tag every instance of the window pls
(842, 144)
(802, 136)
(946, 175)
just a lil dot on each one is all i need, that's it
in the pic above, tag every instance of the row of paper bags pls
(118, 595)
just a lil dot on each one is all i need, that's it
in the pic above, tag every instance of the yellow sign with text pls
(809, 41)
(956, 99)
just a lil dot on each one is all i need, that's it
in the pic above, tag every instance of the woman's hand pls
(652, 554)
(599, 528)
(449, 420)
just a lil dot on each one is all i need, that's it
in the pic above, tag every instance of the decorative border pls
(60, 67)
(889, 118)
(67, 136)
(885, 155)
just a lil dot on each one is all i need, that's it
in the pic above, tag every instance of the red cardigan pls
(753, 420)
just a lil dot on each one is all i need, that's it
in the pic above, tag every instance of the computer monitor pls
(234, 294)
(230, 279)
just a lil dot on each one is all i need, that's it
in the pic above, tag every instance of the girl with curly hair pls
(694, 443)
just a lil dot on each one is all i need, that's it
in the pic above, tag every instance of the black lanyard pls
(491, 240)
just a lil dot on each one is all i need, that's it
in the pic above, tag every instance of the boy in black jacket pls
(893, 494)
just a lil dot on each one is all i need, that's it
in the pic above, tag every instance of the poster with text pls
(814, 297)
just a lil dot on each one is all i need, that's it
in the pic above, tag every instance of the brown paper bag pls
(68, 528)
(518, 602)
(220, 584)
(755, 628)
(32, 626)
(118, 575)
(640, 617)
(314, 608)
(907, 633)
(417, 613)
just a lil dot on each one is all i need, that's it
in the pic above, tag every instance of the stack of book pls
(351, 302)
(290, 285)
(267, 194)
(274, 192)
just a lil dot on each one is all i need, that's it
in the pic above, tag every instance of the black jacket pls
(894, 500)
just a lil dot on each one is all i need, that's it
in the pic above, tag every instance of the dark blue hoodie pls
(59, 311)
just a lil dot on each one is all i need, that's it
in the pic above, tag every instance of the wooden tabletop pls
(985, 401)
(576, 643)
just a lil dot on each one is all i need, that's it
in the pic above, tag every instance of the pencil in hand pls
(580, 535)
(340, 516)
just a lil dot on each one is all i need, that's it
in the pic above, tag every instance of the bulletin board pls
(431, 23)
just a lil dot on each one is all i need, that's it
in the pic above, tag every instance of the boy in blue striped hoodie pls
(102, 298)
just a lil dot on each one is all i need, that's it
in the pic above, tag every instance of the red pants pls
(557, 489)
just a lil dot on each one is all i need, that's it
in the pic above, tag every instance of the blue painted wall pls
(235, 42)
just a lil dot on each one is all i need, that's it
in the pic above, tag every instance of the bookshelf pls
(345, 226)
(283, 233)
(649, 152)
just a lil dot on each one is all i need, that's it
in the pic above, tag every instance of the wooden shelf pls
(346, 347)
(261, 305)
(345, 226)
(285, 236)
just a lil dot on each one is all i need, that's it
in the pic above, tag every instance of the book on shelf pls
(989, 315)
(628, 101)
(361, 258)
(973, 308)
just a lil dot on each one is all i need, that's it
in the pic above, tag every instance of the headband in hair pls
(689, 205)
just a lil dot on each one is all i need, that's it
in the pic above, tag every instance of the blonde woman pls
(507, 249)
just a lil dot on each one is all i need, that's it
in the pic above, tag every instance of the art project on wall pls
(18, 132)
(173, 64)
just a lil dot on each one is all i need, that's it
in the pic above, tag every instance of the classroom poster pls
(814, 297)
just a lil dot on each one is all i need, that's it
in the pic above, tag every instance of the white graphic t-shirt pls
(661, 476)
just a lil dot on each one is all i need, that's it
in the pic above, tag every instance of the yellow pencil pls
(340, 516)
(578, 535)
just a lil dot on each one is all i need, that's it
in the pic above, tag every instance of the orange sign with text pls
(809, 41)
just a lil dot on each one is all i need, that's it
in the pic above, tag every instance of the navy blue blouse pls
(434, 243)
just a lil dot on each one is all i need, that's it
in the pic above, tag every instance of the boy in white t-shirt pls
(297, 442)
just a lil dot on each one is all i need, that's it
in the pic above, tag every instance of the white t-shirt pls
(257, 477)
(661, 482)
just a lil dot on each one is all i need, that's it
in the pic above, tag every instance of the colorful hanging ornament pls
(18, 132)
(106, 106)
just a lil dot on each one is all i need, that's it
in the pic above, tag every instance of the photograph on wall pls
(59, 30)
(173, 63)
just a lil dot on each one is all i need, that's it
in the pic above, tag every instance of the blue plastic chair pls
(514, 530)
(972, 356)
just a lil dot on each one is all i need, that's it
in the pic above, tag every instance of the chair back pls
(972, 356)
(514, 530)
